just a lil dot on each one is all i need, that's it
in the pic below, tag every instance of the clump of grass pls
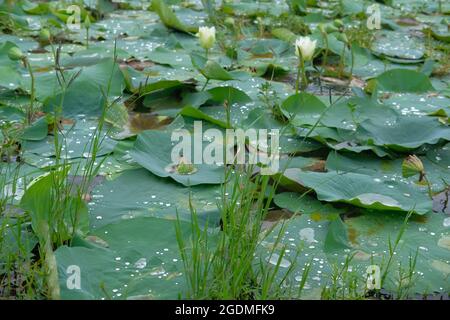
(21, 274)
(294, 23)
(10, 145)
(224, 264)
(360, 35)
(269, 97)
(344, 284)
(441, 54)
(35, 274)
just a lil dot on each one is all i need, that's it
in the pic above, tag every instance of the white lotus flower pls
(207, 37)
(306, 47)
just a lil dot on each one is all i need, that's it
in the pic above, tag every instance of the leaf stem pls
(30, 109)
(206, 83)
(304, 78)
(87, 38)
(430, 192)
(298, 77)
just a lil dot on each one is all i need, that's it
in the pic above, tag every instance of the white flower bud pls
(306, 47)
(207, 37)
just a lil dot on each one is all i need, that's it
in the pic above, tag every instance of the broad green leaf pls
(440, 35)
(364, 191)
(284, 34)
(76, 141)
(306, 204)
(37, 131)
(169, 18)
(199, 114)
(404, 134)
(412, 104)
(39, 201)
(217, 95)
(401, 80)
(398, 45)
(426, 237)
(436, 164)
(368, 236)
(153, 150)
(261, 118)
(94, 81)
(139, 193)
(337, 237)
(229, 94)
(174, 58)
(209, 68)
(9, 78)
(138, 262)
(306, 108)
(349, 113)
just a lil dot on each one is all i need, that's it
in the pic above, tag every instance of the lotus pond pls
(348, 197)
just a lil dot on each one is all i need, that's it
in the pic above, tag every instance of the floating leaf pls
(153, 151)
(140, 260)
(209, 68)
(169, 18)
(401, 80)
(364, 191)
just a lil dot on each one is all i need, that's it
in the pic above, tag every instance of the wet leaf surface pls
(371, 102)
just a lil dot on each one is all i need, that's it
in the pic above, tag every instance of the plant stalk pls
(30, 109)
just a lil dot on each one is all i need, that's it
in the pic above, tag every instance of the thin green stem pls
(353, 61)
(325, 55)
(304, 78)
(430, 192)
(228, 111)
(392, 250)
(298, 77)
(204, 86)
(30, 110)
(87, 38)
(341, 63)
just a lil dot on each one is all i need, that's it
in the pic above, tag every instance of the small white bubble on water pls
(307, 234)
(157, 271)
(141, 263)
(446, 222)
(273, 259)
